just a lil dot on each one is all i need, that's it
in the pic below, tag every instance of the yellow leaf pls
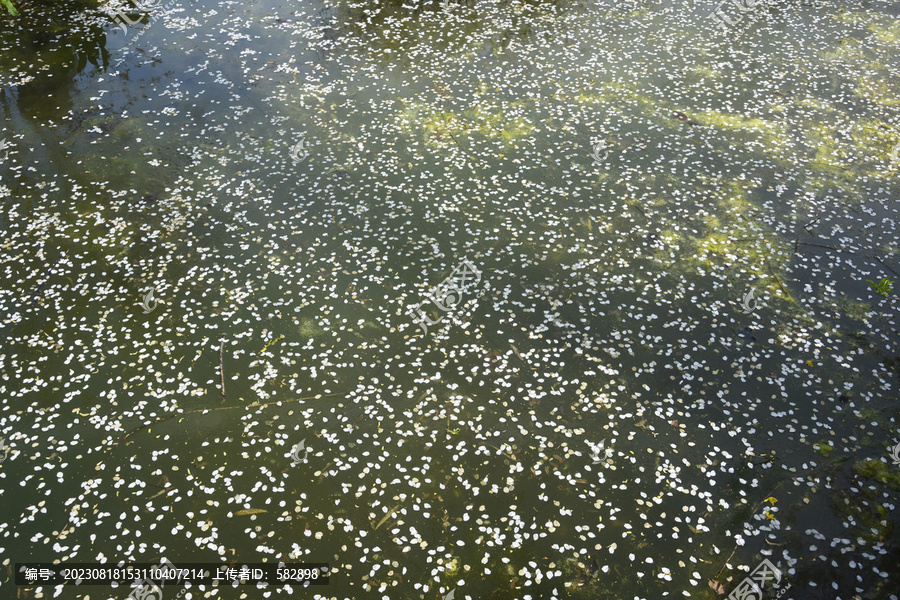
(249, 511)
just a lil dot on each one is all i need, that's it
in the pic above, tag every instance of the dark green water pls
(621, 177)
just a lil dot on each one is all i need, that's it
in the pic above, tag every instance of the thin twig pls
(222, 369)
(810, 224)
(780, 285)
(716, 578)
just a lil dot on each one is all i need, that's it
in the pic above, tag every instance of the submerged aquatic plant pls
(883, 287)
(10, 7)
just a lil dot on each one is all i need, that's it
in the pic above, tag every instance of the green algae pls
(878, 470)
(308, 328)
(772, 133)
(371, 325)
(450, 127)
(877, 90)
(733, 236)
(824, 448)
(854, 310)
(451, 569)
(887, 34)
(872, 518)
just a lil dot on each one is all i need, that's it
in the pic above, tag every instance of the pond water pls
(651, 358)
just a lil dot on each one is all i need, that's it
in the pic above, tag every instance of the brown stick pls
(222, 369)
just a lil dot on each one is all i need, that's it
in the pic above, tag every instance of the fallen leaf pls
(717, 587)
